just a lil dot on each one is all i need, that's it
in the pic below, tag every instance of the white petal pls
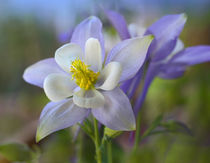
(117, 113)
(88, 99)
(110, 76)
(66, 54)
(136, 30)
(93, 56)
(59, 115)
(131, 54)
(179, 46)
(58, 86)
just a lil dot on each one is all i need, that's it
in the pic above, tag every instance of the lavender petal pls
(90, 27)
(152, 71)
(119, 23)
(192, 55)
(36, 73)
(117, 113)
(177, 65)
(166, 31)
(59, 115)
(131, 54)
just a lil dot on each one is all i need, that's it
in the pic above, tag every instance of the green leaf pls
(111, 133)
(153, 126)
(171, 126)
(176, 127)
(16, 152)
(87, 127)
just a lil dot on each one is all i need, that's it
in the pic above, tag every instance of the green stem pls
(137, 135)
(97, 142)
(80, 148)
(109, 151)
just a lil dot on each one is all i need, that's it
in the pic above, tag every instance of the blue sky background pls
(64, 13)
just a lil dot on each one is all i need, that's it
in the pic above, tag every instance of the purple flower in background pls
(166, 56)
(64, 37)
(79, 80)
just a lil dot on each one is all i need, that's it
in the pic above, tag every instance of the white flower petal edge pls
(110, 75)
(66, 54)
(117, 113)
(131, 54)
(93, 56)
(136, 30)
(58, 86)
(179, 46)
(59, 115)
(88, 99)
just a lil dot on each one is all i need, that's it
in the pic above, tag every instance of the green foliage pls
(170, 126)
(176, 127)
(111, 133)
(145, 155)
(88, 128)
(153, 126)
(58, 147)
(17, 152)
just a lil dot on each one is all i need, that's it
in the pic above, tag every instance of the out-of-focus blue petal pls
(59, 115)
(177, 65)
(152, 71)
(192, 55)
(119, 23)
(36, 73)
(90, 27)
(135, 83)
(174, 68)
(65, 37)
(171, 72)
(166, 31)
(117, 113)
(130, 86)
(126, 85)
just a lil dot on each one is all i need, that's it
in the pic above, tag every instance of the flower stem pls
(97, 142)
(137, 135)
(80, 147)
(109, 151)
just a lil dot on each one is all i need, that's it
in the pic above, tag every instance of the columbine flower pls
(166, 56)
(79, 80)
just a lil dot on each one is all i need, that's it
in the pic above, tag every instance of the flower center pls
(84, 77)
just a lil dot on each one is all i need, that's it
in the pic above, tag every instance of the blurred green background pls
(33, 30)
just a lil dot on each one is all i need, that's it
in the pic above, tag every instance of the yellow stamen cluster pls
(85, 78)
